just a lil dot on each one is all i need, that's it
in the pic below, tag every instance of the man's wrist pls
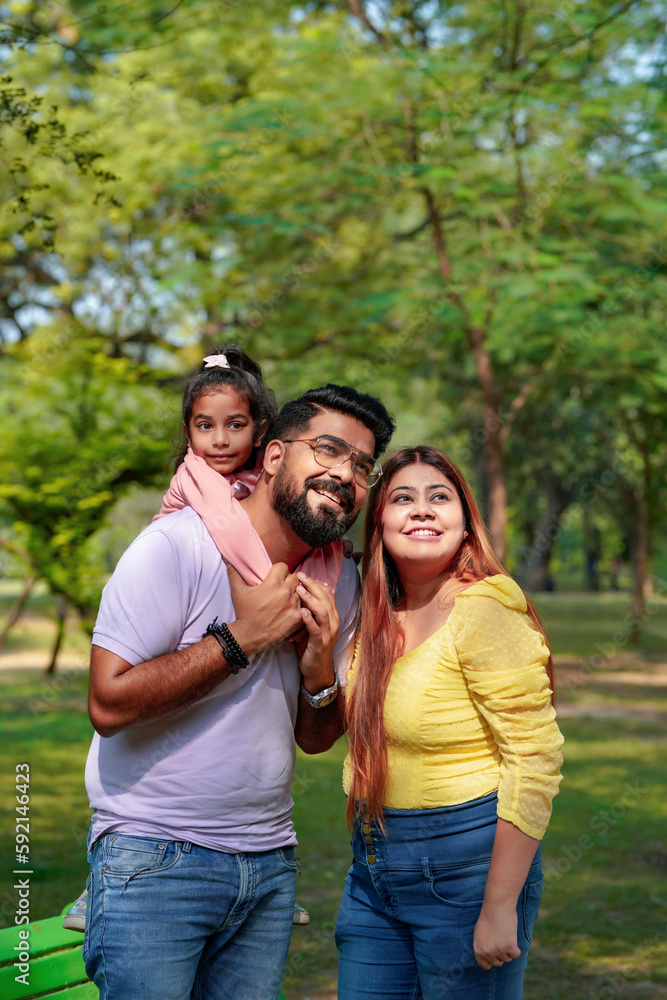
(250, 643)
(323, 679)
(323, 697)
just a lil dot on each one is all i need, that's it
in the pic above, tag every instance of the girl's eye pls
(204, 425)
(236, 425)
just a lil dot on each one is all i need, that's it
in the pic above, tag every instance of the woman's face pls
(423, 519)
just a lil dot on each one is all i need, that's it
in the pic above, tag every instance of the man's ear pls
(259, 432)
(273, 456)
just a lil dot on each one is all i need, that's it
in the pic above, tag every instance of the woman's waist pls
(463, 830)
(418, 779)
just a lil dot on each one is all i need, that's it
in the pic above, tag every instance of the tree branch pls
(359, 12)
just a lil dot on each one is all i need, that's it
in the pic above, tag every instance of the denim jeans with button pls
(411, 901)
(172, 921)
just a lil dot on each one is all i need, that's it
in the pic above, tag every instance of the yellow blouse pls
(469, 712)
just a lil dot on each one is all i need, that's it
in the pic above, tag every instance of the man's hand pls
(320, 616)
(266, 614)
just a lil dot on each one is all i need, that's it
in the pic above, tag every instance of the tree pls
(445, 204)
(81, 428)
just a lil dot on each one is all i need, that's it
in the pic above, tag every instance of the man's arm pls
(317, 729)
(122, 696)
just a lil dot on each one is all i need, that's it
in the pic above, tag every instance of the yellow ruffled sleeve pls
(503, 659)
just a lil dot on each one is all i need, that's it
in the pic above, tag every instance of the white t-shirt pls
(218, 773)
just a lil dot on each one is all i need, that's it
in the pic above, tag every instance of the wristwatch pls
(322, 698)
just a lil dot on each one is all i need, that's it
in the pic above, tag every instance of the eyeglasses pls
(330, 452)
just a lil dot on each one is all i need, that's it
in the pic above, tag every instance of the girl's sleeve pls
(503, 658)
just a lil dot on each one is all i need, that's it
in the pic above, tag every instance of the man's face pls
(321, 504)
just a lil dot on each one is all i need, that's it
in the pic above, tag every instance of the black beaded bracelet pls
(233, 653)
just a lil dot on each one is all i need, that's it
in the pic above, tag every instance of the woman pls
(454, 752)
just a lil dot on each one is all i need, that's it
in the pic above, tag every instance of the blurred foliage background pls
(458, 207)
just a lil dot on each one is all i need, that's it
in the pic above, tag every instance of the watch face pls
(323, 698)
(326, 699)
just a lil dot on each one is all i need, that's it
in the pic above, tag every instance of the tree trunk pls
(493, 439)
(17, 608)
(493, 444)
(533, 573)
(641, 553)
(60, 633)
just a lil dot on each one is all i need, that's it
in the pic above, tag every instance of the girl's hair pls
(243, 376)
(379, 638)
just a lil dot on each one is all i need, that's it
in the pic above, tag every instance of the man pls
(192, 862)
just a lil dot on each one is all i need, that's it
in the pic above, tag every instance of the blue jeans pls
(173, 921)
(411, 902)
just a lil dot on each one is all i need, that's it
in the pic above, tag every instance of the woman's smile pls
(423, 506)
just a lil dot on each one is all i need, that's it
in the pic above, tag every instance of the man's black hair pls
(297, 414)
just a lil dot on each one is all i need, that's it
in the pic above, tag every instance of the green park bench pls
(55, 965)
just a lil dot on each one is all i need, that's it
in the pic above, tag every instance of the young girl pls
(228, 412)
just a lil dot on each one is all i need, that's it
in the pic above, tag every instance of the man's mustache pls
(331, 486)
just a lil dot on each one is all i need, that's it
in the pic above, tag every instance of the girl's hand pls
(495, 937)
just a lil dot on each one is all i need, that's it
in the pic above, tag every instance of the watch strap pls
(322, 698)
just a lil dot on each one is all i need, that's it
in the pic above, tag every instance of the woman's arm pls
(503, 658)
(495, 937)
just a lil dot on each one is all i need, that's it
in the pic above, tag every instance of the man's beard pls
(317, 527)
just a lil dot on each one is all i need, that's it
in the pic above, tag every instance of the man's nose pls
(343, 472)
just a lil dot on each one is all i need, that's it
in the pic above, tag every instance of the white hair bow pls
(217, 361)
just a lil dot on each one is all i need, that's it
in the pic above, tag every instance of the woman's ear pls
(260, 431)
(273, 456)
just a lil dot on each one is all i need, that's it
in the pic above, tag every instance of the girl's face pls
(423, 519)
(221, 430)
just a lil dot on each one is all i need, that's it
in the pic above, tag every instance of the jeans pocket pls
(287, 855)
(129, 856)
(529, 905)
(461, 887)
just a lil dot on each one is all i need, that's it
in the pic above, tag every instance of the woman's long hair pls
(379, 638)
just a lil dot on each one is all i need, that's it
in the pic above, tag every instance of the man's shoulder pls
(181, 526)
(176, 539)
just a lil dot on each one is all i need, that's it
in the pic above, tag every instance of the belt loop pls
(186, 846)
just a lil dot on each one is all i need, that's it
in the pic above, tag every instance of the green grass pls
(602, 930)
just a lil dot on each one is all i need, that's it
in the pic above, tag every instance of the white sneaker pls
(75, 918)
(301, 916)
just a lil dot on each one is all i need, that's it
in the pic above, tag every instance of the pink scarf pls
(215, 498)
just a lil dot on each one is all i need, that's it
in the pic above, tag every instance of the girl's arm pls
(495, 937)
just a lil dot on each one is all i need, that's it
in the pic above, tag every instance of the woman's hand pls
(495, 937)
